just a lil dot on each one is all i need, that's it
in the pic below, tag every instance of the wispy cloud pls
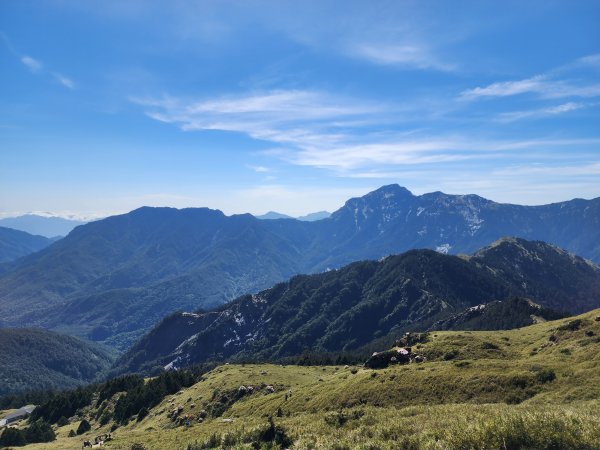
(36, 66)
(291, 117)
(259, 169)
(553, 84)
(585, 62)
(584, 169)
(66, 82)
(539, 85)
(540, 112)
(428, 151)
(308, 128)
(404, 56)
(32, 64)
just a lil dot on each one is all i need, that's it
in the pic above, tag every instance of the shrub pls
(489, 346)
(213, 441)
(143, 412)
(450, 355)
(39, 431)
(572, 325)
(62, 421)
(104, 418)
(84, 427)
(272, 433)
(339, 418)
(12, 436)
(137, 446)
(545, 375)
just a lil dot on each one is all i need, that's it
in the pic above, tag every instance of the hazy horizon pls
(87, 218)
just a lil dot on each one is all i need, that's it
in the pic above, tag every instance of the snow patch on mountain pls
(444, 248)
(239, 319)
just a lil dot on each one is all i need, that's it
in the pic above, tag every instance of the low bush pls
(572, 325)
(84, 427)
(545, 375)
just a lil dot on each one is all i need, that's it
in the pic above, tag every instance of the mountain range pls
(359, 304)
(113, 279)
(48, 226)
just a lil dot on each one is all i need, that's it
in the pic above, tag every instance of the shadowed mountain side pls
(15, 244)
(34, 359)
(498, 315)
(366, 301)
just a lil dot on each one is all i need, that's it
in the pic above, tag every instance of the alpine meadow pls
(318, 225)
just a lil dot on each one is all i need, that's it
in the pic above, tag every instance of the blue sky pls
(106, 106)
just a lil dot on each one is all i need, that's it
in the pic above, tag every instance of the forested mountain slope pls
(14, 244)
(34, 359)
(358, 304)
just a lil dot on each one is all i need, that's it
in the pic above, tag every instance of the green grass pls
(518, 389)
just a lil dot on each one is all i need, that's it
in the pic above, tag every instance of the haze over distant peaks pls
(273, 215)
(315, 216)
(48, 226)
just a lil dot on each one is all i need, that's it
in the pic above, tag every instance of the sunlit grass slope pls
(535, 387)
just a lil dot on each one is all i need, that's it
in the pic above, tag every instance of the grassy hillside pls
(34, 359)
(535, 387)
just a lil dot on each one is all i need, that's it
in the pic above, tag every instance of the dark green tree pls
(84, 427)
(12, 436)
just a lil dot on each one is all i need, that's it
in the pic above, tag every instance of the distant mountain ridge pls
(14, 244)
(273, 215)
(351, 307)
(112, 279)
(319, 215)
(49, 227)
